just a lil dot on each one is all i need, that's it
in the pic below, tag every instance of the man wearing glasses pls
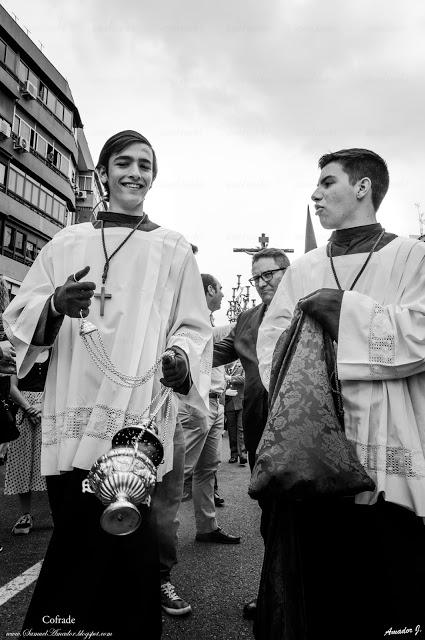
(268, 267)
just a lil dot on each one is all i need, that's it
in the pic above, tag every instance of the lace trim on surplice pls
(73, 423)
(205, 362)
(393, 460)
(381, 340)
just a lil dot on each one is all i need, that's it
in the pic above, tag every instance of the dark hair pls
(278, 255)
(362, 163)
(207, 280)
(120, 141)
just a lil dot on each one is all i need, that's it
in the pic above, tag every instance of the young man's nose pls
(135, 171)
(316, 195)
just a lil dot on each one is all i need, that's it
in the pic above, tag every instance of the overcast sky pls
(240, 99)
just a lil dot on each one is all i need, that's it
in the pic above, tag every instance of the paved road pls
(216, 579)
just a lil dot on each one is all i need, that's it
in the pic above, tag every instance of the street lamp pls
(239, 301)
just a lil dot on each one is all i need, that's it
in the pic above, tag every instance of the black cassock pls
(104, 583)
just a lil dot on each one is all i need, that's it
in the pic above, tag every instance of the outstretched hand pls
(324, 305)
(73, 298)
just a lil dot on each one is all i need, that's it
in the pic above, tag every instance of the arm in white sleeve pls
(191, 330)
(382, 342)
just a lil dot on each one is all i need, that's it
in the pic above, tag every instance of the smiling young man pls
(144, 296)
(362, 560)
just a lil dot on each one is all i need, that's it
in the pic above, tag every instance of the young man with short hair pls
(362, 560)
(144, 296)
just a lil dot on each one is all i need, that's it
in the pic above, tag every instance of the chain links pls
(102, 360)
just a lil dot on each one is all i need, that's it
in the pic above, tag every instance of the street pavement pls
(216, 579)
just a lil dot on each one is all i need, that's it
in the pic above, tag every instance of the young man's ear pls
(363, 187)
(102, 174)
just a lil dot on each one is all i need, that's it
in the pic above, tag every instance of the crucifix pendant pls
(103, 296)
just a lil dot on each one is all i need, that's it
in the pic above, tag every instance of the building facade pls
(47, 176)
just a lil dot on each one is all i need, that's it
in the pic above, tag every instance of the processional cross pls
(103, 296)
(264, 241)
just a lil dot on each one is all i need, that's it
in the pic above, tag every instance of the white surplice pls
(157, 302)
(380, 357)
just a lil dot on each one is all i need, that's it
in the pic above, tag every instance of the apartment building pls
(47, 177)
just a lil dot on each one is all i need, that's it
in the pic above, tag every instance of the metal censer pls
(126, 476)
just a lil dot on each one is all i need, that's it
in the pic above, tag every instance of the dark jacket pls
(235, 403)
(242, 343)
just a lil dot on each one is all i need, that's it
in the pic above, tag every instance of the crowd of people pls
(359, 560)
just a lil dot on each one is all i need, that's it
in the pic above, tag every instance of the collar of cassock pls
(358, 239)
(112, 219)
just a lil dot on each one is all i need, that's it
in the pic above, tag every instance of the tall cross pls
(264, 241)
(103, 296)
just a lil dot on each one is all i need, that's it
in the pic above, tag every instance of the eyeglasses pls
(266, 276)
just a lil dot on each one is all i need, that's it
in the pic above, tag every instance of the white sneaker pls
(23, 525)
(171, 601)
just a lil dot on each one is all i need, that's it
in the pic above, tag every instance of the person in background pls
(268, 268)
(23, 474)
(235, 379)
(203, 437)
(7, 359)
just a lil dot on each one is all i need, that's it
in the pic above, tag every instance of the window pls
(42, 200)
(25, 130)
(55, 209)
(8, 240)
(50, 156)
(2, 51)
(16, 123)
(42, 92)
(31, 250)
(51, 101)
(31, 191)
(85, 183)
(41, 146)
(2, 173)
(19, 242)
(33, 79)
(67, 117)
(10, 59)
(22, 71)
(59, 110)
(16, 181)
(49, 203)
(64, 166)
(28, 190)
(62, 213)
(57, 158)
(35, 195)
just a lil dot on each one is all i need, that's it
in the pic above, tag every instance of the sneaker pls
(171, 601)
(23, 525)
(218, 501)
